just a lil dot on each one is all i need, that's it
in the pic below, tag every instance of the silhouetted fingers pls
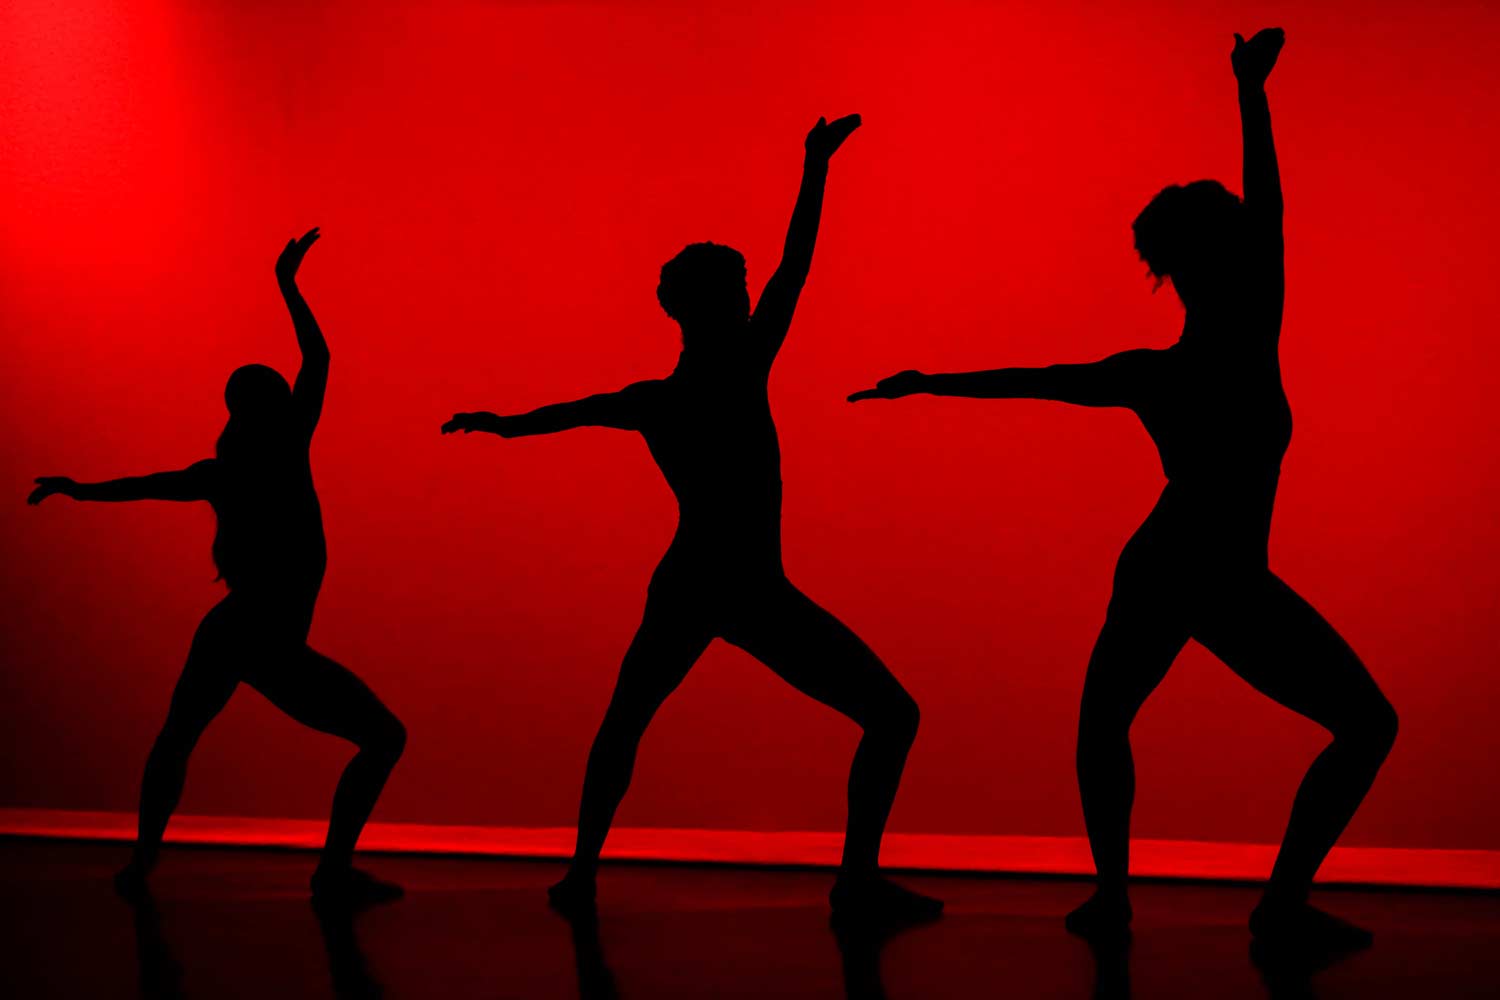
(841, 127)
(460, 422)
(855, 397)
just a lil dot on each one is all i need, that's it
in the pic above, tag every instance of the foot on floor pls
(131, 884)
(1103, 918)
(352, 888)
(574, 894)
(1298, 934)
(872, 900)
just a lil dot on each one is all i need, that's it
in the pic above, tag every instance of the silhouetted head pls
(703, 288)
(256, 391)
(1193, 235)
(260, 408)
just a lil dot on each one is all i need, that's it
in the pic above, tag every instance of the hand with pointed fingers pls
(1254, 60)
(900, 384)
(471, 422)
(827, 136)
(291, 257)
(48, 485)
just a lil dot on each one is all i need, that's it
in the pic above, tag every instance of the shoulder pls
(1136, 362)
(644, 393)
(205, 476)
(635, 404)
(1138, 356)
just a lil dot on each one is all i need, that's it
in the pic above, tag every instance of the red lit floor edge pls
(231, 923)
(1375, 866)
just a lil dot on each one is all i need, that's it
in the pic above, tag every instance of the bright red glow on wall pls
(498, 186)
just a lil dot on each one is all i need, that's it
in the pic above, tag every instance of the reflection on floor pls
(229, 924)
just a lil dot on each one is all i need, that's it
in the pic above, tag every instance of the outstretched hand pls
(1254, 60)
(900, 384)
(471, 422)
(291, 257)
(827, 136)
(48, 485)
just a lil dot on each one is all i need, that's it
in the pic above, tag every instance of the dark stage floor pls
(238, 924)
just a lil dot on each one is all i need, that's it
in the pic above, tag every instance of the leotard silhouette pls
(709, 427)
(270, 551)
(1197, 568)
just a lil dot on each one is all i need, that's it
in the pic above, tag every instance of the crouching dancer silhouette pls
(709, 427)
(1197, 568)
(270, 552)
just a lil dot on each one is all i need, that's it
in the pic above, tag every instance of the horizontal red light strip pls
(1185, 859)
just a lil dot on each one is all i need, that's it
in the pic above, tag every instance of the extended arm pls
(312, 378)
(1113, 381)
(183, 485)
(610, 409)
(773, 314)
(1253, 62)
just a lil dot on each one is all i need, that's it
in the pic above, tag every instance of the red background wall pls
(498, 185)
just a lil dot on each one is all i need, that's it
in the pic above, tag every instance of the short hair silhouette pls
(701, 280)
(1187, 226)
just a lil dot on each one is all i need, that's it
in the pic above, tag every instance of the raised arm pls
(1113, 381)
(622, 409)
(191, 483)
(312, 378)
(1253, 62)
(773, 314)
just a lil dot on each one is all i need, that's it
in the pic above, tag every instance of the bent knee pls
(1383, 725)
(897, 715)
(386, 739)
(1374, 728)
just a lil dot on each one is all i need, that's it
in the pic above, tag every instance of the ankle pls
(1113, 892)
(1279, 897)
(333, 867)
(858, 873)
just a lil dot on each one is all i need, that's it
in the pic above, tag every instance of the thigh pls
(211, 673)
(321, 694)
(1141, 637)
(673, 634)
(812, 651)
(1270, 636)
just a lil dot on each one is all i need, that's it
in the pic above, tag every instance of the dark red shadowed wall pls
(498, 185)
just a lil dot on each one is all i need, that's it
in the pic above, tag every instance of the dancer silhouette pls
(1197, 568)
(709, 427)
(270, 552)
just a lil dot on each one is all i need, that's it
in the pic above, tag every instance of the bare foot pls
(574, 894)
(1300, 932)
(130, 881)
(871, 899)
(352, 888)
(1104, 917)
